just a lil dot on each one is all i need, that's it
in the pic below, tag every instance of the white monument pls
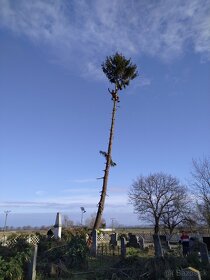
(58, 226)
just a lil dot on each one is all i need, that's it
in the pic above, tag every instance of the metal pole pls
(5, 223)
(112, 223)
(82, 217)
(83, 211)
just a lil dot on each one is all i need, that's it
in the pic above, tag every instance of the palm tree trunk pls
(106, 171)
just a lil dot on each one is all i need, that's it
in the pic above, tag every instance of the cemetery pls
(53, 117)
(93, 253)
(68, 253)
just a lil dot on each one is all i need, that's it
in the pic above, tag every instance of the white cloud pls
(47, 204)
(142, 82)
(70, 199)
(93, 70)
(40, 193)
(84, 31)
(62, 203)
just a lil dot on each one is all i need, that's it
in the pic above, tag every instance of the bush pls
(77, 252)
(62, 255)
(13, 264)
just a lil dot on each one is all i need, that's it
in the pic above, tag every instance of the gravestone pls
(199, 247)
(53, 270)
(206, 240)
(94, 243)
(123, 247)
(141, 242)
(192, 244)
(190, 273)
(204, 253)
(164, 242)
(113, 241)
(133, 241)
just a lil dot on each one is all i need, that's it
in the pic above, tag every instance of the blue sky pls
(55, 109)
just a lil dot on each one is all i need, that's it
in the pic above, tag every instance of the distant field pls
(118, 230)
(22, 232)
(124, 230)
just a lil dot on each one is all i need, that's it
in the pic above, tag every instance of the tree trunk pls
(106, 171)
(156, 228)
(157, 245)
(156, 239)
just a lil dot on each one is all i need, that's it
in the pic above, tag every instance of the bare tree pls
(201, 176)
(89, 222)
(177, 214)
(67, 221)
(191, 221)
(157, 196)
(201, 182)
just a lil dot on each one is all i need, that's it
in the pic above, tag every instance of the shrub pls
(13, 264)
(77, 252)
(61, 253)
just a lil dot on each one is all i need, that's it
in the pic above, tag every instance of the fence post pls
(123, 247)
(94, 243)
(32, 265)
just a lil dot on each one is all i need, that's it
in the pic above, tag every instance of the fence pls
(8, 241)
(108, 250)
(102, 238)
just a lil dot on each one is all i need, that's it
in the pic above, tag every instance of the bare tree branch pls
(201, 182)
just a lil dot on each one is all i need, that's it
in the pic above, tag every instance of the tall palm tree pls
(120, 71)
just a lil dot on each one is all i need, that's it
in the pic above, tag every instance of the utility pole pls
(5, 223)
(112, 219)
